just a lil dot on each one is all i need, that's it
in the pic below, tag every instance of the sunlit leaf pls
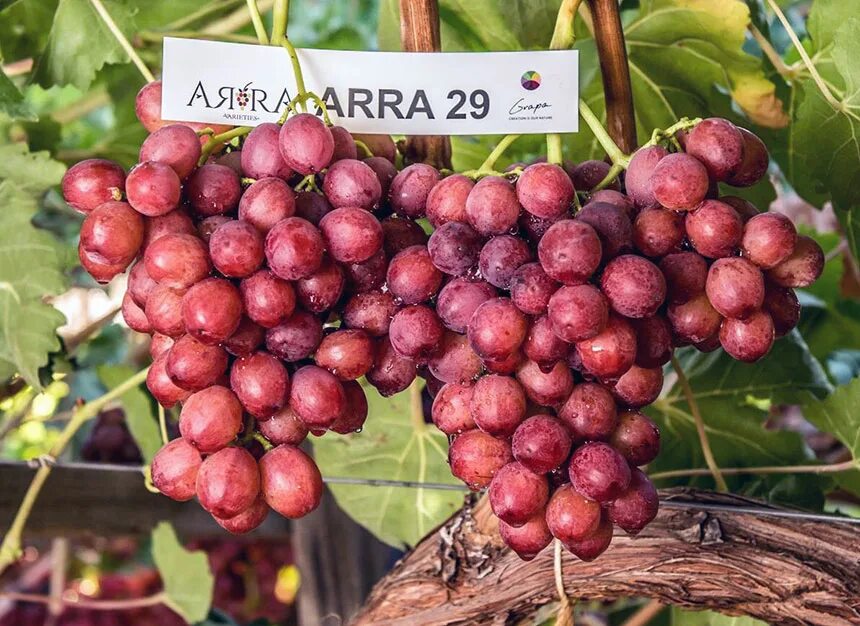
(188, 580)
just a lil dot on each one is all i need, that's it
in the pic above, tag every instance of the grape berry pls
(541, 332)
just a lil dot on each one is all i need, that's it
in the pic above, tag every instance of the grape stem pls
(280, 15)
(564, 616)
(91, 605)
(363, 146)
(257, 20)
(612, 150)
(713, 468)
(217, 140)
(813, 71)
(416, 407)
(554, 153)
(490, 162)
(772, 55)
(122, 40)
(668, 134)
(10, 549)
(563, 35)
(162, 424)
(644, 615)
(830, 468)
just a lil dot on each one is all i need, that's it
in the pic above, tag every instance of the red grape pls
(658, 231)
(391, 373)
(529, 539)
(497, 329)
(177, 260)
(410, 188)
(719, 145)
(306, 144)
(247, 520)
(802, 268)
(543, 345)
(112, 233)
(531, 289)
(412, 278)
(500, 257)
(355, 413)
(754, 164)
(475, 457)
(570, 251)
(459, 299)
(140, 284)
(400, 233)
(639, 386)
(516, 494)
(455, 362)
(416, 332)
(694, 320)
(637, 438)
(317, 397)
(348, 354)
(578, 312)
(266, 202)
(498, 405)
(92, 182)
(294, 248)
(228, 482)
(546, 388)
(541, 443)
(454, 248)
(679, 182)
(685, 274)
(451, 411)
(735, 287)
(611, 352)
(351, 183)
(714, 229)
(211, 418)
(267, 299)
(134, 315)
(213, 190)
(634, 509)
(634, 286)
(545, 190)
(589, 412)
(571, 516)
(193, 365)
(175, 145)
(598, 471)
(176, 221)
(321, 290)
(164, 390)
(594, 544)
(261, 383)
(446, 201)
(261, 156)
(295, 339)
(371, 312)
(284, 427)
(384, 171)
(612, 226)
(492, 207)
(782, 305)
(174, 469)
(653, 341)
(212, 310)
(153, 188)
(379, 145)
(164, 310)
(290, 481)
(768, 239)
(248, 337)
(748, 339)
(637, 179)
(344, 144)
(351, 234)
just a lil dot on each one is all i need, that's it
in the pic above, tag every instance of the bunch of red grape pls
(541, 331)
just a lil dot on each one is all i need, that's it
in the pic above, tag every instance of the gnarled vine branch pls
(781, 570)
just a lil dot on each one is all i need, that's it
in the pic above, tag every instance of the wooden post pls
(419, 32)
(609, 36)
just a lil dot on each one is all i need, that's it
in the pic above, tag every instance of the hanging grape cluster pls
(540, 328)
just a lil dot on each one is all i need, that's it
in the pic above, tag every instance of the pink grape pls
(174, 469)
(492, 207)
(294, 249)
(266, 202)
(261, 156)
(261, 383)
(735, 287)
(590, 412)
(578, 312)
(351, 183)
(446, 201)
(92, 182)
(213, 190)
(267, 299)
(410, 188)
(175, 145)
(570, 252)
(306, 145)
(295, 339)
(153, 188)
(475, 457)
(748, 339)
(211, 418)
(541, 443)
(545, 190)
(351, 234)
(212, 310)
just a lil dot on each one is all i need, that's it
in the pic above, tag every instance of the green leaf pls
(80, 43)
(395, 447)
(12, 101)
(138, 410)
(31, 172)
(24, 27)
(837, 414)
(733, 398)
(188, 580)
(30, 262)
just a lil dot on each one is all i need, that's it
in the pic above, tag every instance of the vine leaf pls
(837, 414)
(31, 262)
(188, 580)
(80, 44)
(12, 101)
(24, 27)
(734, 398)
(138, 410)
(392, 447)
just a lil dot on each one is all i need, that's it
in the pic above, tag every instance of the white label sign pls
(449, 93)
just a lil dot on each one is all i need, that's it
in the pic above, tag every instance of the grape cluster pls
(541, 332)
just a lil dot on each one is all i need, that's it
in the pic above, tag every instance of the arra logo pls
(247, 99)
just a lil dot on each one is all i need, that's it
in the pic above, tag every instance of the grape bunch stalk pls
(276, 275)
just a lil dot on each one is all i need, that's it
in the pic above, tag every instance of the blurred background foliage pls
(67, 91)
